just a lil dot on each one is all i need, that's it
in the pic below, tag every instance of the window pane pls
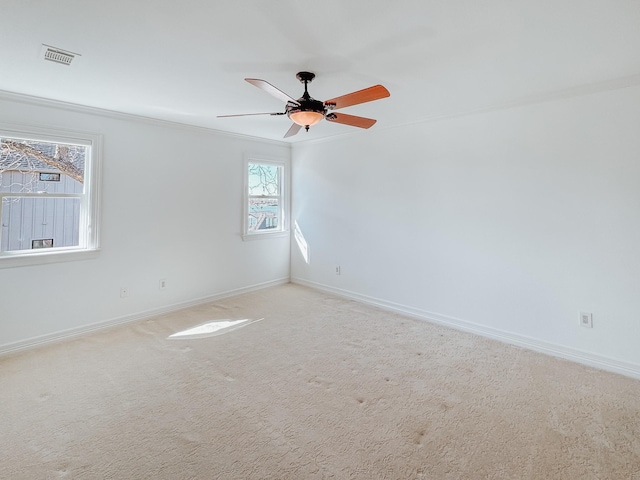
(263, 214)
(33, 222)
(25, 156)
(263, 179)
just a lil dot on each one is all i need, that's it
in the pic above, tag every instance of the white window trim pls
(284, 196)
(90, 238)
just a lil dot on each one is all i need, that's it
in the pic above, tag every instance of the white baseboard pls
(135, 317)
(585, 358)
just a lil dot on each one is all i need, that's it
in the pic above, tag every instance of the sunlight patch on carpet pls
(213, 328)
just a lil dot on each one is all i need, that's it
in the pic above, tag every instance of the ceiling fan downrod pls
(306, 78)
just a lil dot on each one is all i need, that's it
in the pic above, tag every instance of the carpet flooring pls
(319, 388)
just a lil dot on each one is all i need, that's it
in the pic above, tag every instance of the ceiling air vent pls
(57, 55)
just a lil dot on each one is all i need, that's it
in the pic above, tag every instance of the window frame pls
(89, 217)
(283, 204)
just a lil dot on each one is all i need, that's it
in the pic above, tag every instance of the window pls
(265, 199)
(49, 195)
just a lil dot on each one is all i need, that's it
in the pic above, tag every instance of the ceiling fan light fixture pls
(306, 118)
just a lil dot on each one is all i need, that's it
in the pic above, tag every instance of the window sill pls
(23, 260)
(264, 236)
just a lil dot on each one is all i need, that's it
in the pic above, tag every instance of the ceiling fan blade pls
(295, 128)
(361, 96)
(250, 114)
(352, 120)
(267, 87)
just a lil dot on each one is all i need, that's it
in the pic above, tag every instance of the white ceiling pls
(186, 61)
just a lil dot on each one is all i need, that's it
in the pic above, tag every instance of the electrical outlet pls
(586, 319)
(337, 269)
(124, 292)
(162, 283)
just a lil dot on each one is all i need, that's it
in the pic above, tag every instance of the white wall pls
(171, 208)
(508, 222)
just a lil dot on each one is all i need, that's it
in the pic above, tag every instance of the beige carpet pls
(322, 388)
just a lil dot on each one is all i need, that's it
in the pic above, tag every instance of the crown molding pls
(77, 108)
(538, 98)
(534, 99)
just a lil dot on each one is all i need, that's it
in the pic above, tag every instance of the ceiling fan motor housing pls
(306, 105)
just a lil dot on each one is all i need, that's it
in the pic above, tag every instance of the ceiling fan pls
(307, 111)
